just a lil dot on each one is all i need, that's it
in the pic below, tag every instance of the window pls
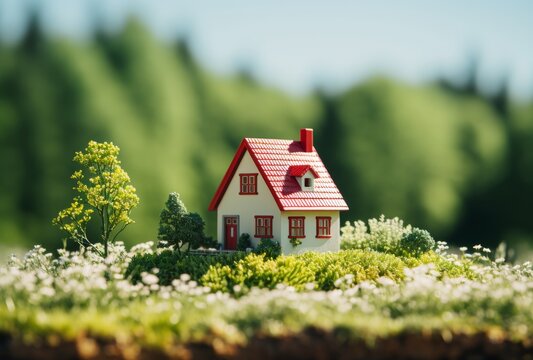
(248, 184)
(296, 227)
(307, 183)
(323, 227)
(231, 220)
(263, 226)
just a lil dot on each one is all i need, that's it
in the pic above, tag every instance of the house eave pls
(322, 208)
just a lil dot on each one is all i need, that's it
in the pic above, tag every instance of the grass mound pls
(146, 301)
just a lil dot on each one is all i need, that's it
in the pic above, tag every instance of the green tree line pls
(441, 156)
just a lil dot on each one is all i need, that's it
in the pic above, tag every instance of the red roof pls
(300, 170)
(276, 161)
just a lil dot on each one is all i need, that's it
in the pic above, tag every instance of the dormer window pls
(305, 175)
(307, 182)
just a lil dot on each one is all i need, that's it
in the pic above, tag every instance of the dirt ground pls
(310, 344)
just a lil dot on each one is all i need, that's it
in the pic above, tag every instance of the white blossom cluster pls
(380, 233)
(500, 295)
(73, 279)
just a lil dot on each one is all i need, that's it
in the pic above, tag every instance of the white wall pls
(248, 206)
(310, 242)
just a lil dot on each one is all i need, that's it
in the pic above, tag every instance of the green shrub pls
(209, 243)
(295, 242)
(381, 235)
(363, 265)
(222, 272)
(271, 248)
(244, 242)
(171, 264)
(417, 242)
(387, 236)
(322, 269)
(256, 270)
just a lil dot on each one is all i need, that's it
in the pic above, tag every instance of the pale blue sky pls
(296, 45)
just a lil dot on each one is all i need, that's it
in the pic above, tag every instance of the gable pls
(274, 159)
(246, 167)
(247, 205)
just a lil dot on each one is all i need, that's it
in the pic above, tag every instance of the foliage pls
(209, 242)
(321, 271)
(255, 270)
(295, 241)
(388, 158)
(417, 242)
(388, 236)
(419, 151)
(308, 270)
(104, 189)
(244, 242)
(180, 228)
(171, 265)
(270, 247)
(41, 294)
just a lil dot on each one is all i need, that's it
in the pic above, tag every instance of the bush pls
(361, 265)
(244, 242)
(271, 248)
(299, 270)
(295, 242)
(381, 235)
(256, 270)
(387, 236)
(171, 264)
(418, 242)
(209, 243)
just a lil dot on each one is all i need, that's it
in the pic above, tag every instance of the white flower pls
(47, 291)
(385, 281)
(149, 279)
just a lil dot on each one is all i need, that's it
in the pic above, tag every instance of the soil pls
(309, 344)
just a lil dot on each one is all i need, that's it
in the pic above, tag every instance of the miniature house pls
(279, 189)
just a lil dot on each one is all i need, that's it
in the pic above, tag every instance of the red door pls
(231, 233)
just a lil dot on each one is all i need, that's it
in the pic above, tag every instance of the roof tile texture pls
(276, 159)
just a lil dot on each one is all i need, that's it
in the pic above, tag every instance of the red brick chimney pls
(306, 139)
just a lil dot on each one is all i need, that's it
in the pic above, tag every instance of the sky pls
(299, 45)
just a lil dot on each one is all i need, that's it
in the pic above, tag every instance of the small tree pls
(178, 227)
(103, 189)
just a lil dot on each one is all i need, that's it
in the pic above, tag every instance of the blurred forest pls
(442, 156)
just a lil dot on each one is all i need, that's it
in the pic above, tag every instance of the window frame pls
(267, 234)
(291, 227)
(323, 227)
(248, 183)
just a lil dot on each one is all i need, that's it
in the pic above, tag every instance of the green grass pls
(370, 295)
